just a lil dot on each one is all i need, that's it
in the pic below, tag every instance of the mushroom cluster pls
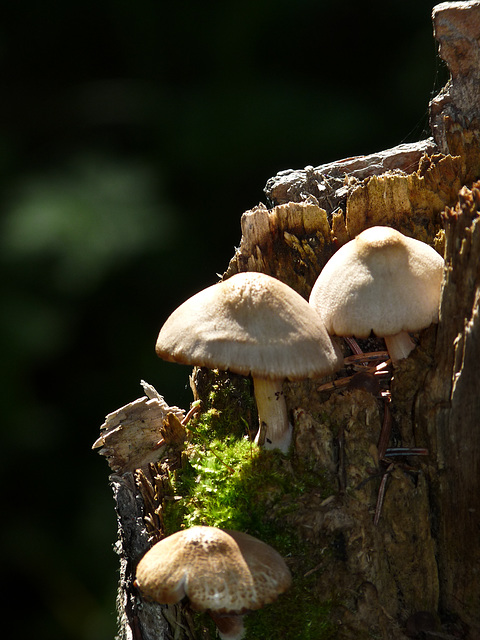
(226, 573)
(382, 282)
(253, 324)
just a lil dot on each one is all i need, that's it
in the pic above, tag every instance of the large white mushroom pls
(224, 572)
(381, 281)
(253, 324)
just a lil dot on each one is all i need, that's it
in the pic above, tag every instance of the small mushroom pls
(382, 281)
(224, 572)
(253, 324)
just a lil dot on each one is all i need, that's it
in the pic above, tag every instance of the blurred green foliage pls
(133, 136)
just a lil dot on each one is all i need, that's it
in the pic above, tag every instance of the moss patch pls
(298, 616)
(228, 482)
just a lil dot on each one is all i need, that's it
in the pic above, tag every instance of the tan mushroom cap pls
(249, 324)
(224, 571)
(382, 281)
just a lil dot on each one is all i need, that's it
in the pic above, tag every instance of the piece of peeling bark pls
(326, 183)
(132, 437)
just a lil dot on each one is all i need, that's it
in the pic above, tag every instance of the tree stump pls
(412, 567)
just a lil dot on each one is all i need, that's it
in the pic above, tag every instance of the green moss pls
(301, 618)
(229, 395)
(231, 483)
(226, 481)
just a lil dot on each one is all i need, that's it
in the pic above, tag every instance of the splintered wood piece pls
(411, 202)
(290, 242)
(131, 436)
(327, 181)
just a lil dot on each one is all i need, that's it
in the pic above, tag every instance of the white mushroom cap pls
(253, 324)
(227, 572)
(249, 324)
(382, 281)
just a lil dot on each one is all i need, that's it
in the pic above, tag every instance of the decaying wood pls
(293, 241)
(133, 439)
(134, 435)
(326, 182)
(454, 113)
(414, 568)
(449, 413)
(137, 619)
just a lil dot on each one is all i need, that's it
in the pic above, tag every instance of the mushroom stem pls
(272, 414)
(399, 346)
(229, 627)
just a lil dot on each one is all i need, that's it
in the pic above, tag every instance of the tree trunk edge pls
(450, 410)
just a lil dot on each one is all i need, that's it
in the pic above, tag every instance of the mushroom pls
(253, 324)
(381, 281)
(226, 573)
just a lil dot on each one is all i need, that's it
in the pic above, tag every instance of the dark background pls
(133, 136)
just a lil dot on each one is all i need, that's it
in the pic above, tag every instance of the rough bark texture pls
(131, 439)
(454, 113)
(326, 182)
(412, 569)
(137, 620)
(449, 411)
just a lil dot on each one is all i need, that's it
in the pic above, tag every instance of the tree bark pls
(449, 413)
(411, 568)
